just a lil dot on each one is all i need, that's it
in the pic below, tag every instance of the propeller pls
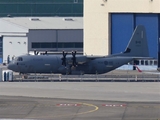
(45, 53)
(74, 62)
(64, 58)
(36, 52)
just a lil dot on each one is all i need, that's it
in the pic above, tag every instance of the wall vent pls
(34, 19)
(68, 19)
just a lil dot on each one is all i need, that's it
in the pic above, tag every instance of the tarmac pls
(80, 100)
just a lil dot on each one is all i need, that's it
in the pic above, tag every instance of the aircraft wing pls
(142, 58)
(81, 59)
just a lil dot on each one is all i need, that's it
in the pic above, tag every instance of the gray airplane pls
(67, 64)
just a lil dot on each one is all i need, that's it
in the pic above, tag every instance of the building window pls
(79, 45)
(69, 45)
(54, 45)
(57, 45)
(36, 45)
(60, 45)
(46, 45)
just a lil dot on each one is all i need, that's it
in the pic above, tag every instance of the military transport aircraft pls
(66, 64)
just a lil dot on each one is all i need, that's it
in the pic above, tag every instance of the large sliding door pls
(122, 28)
(150, 21)
(121, 31)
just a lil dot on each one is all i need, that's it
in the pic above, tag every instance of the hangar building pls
(108, 24)
(19, 35)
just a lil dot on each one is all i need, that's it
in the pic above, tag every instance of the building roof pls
(46, 22)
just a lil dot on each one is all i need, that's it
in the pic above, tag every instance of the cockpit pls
(19, 59)
(15, 64)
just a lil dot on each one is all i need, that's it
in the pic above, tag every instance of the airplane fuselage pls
(53, 64)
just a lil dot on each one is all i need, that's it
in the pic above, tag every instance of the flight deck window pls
(20, 59)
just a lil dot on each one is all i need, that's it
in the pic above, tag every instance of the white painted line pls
(114, 105)
(64, 104)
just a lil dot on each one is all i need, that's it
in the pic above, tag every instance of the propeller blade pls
(64, 58)
(45, 52)
(36, 52)
(74, 62)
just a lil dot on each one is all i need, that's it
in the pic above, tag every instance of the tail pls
(137, 46)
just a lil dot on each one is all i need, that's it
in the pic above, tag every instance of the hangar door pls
(123, 25)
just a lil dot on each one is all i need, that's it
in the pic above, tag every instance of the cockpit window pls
(19, 59)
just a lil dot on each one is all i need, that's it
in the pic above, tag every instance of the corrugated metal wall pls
(55, 36)
(123, 25)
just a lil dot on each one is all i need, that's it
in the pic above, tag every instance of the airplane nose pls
(10, 66)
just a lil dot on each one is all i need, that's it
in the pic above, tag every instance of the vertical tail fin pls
(138, 45)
